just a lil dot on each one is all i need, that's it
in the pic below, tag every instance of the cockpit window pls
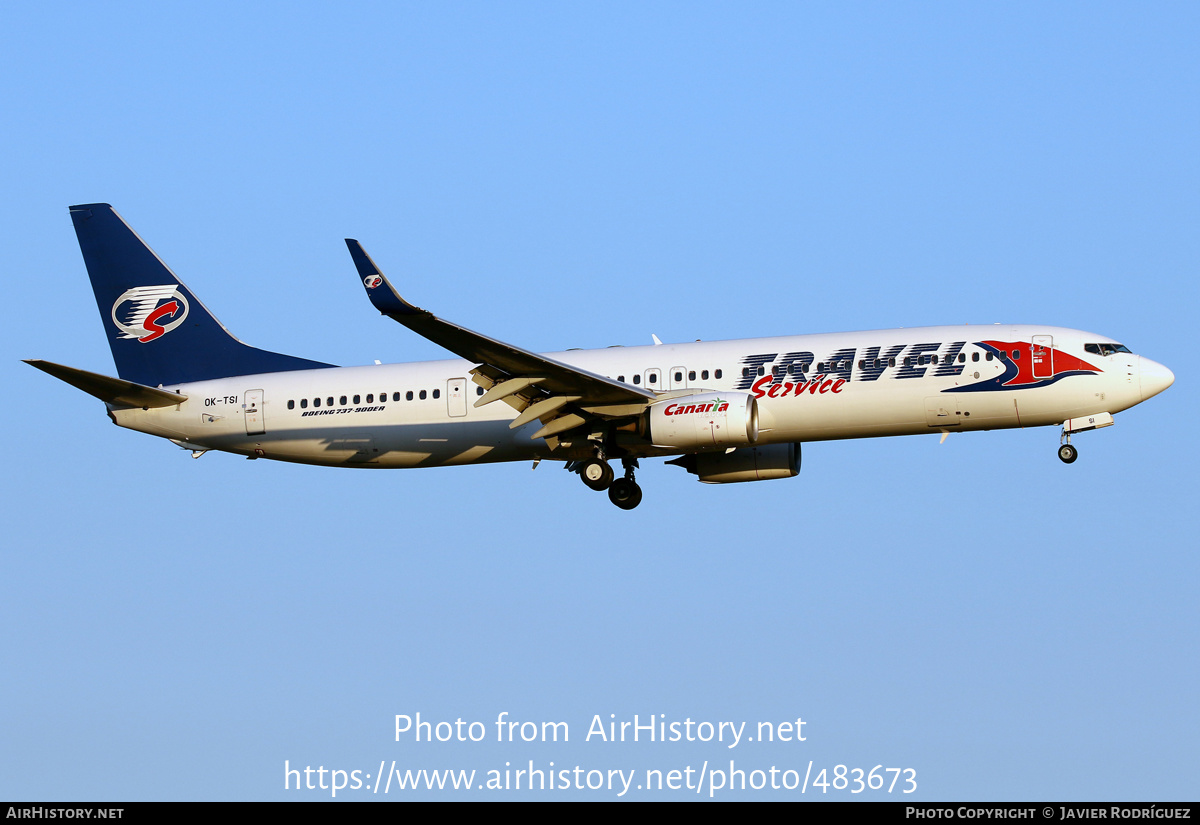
(1105, 349)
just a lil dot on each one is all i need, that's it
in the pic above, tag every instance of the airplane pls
(725, 411)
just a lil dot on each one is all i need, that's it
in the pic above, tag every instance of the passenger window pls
(989, 357)
(621, 378)
(396, 395)
(745, 372)
(437, 393)
(291, 405)
(408, 396)
(342, 400)
(718, 373)
(1016, 355)
(329, 401)
(304, 403)
(891, 362)
(423, 395)
(962, 358)
(762, 370)
(653, 378)
(358, 399)
(691, 375)
(370, 398)
(704, 375)
(637, 379)
(679, 376)
(479, 390)
(933, 359)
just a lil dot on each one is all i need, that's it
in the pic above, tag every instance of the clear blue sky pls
(563, 175)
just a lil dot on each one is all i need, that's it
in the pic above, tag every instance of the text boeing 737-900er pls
(728, 411)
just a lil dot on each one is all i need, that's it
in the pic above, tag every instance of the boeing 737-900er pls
(727, 411)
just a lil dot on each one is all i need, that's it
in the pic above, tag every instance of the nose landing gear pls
(1066, 453)
(1094, 421)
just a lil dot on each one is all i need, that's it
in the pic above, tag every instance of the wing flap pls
(503, 389)
(545, 409)
(560, 425)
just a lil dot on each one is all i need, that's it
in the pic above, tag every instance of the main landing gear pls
(598, 475)
(625, 492)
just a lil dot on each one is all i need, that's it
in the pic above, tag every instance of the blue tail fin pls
(159, 332)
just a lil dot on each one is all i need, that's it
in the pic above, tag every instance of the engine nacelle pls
(746, 464)
(704, 420)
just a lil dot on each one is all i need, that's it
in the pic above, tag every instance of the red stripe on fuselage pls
(1062, 362)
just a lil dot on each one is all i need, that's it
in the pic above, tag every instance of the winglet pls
(383, 295)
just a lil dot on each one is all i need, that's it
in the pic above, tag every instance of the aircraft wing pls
(561, 396)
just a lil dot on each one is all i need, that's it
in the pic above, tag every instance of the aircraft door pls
(253, 410)
(456, 397)
(677, 378)
(1043, 356)
(652, 380)
(942, 411)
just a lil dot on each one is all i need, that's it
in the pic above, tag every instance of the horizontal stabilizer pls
(114, 391)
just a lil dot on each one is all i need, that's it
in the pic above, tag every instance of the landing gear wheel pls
(625, 493)
(596, 474)
(1067, 454)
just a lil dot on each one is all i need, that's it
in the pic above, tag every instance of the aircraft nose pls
(1153, 377)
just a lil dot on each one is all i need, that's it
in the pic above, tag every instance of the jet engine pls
(746, 464)
(703, 421)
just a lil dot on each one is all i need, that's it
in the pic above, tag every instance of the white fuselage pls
(808, 388)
